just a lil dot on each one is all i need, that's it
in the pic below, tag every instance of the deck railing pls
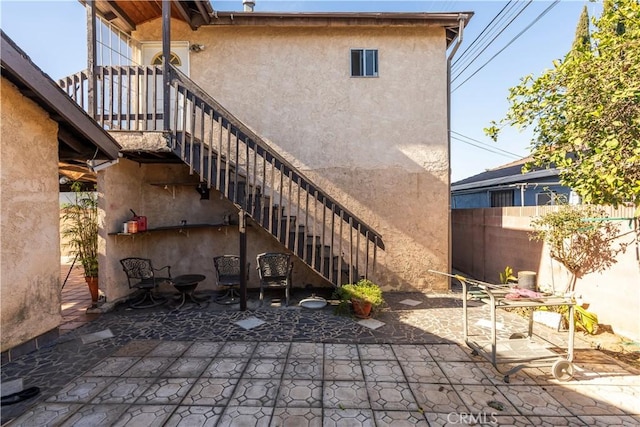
(231, 158)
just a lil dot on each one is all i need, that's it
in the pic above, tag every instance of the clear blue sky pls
(53, 33)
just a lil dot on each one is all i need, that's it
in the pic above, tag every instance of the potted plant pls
(80, 233)
(364, 296)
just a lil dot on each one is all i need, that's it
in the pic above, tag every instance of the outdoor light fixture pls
(97, 167)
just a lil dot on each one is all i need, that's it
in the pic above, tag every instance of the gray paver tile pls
(211, 392)
(392, 396)
(335, 369)
(589, 374)
(553, 421)
(144, 416)
(306, 350)
(437, 398)
(186, 367)
(226, 367)
(204, 416)
(382, 370)
(347, 418)
(597, 399)
(345, 394)
(46, 414)
(203, 349)
(399, 419)
(95, 415)
(522, 421)
(297, 417)
(246, 416)
(112, 366)
(149, 367)
(123, 390)
(341, 351)
(237, 349)
(412, 352)
(303, 368)
(423, 372)
(264, 368)
(272, 350)
(166, 391)
(376, 352)
(480, 398)
(449, 353)
(255, 392)
(81, 390)
(533, 400)
(610, 420)
(465, 372)
(300, 393)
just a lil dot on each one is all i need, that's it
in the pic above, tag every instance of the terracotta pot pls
(93, 288)
(361, 309)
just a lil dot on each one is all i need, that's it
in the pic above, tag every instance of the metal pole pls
(91, 59)
(242, 228)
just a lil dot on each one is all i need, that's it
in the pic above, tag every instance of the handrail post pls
(91, 58)
(166, 55)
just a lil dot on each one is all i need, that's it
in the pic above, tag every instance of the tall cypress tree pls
(582, 39)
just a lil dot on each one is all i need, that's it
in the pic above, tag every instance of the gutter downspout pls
(462, 18)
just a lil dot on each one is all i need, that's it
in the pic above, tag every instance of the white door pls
(152, 55)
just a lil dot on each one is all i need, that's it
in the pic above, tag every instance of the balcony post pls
(91, 58)
(166, 56)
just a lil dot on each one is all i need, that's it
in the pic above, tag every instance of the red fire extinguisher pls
(141, 220)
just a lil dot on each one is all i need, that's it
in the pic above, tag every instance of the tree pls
(581, 238)
(586, 111)
(582, 39)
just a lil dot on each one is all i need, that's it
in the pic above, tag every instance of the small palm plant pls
(80, 228)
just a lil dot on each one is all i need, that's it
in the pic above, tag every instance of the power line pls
(491, 147)
(554, 4)
(479, 38)
(493, 40)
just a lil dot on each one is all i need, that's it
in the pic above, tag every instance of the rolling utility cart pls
(520, 349)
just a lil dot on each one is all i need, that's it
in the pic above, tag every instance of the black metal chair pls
(275, 272)
(228, 277)
(141, 275)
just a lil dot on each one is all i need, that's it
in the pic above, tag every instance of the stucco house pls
(507, 186)
(326, 133)
(42, 131)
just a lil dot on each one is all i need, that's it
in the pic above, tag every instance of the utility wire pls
(554, 4)
(463, 54)
(484, 148)
(492, 147)
(458, 74)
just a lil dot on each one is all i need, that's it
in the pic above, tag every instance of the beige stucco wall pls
(142, 188)
(485, 241)
(378, 145)
(30, 248)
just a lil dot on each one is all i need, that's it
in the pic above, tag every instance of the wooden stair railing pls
(232, 159)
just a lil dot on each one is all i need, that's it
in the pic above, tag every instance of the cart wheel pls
(506, 379)
(517, 336)
(562, 370)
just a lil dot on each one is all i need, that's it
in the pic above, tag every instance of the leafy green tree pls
(586, 111)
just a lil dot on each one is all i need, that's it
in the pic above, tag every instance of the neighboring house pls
(507, 186)
(42, 132)
(326, 131)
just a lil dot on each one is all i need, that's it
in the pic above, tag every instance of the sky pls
(53, 34)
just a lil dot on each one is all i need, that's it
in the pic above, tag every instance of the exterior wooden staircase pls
(232, 159)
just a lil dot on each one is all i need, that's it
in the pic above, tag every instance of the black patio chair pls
(228, 277)
(141, 275)
(275, 272)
